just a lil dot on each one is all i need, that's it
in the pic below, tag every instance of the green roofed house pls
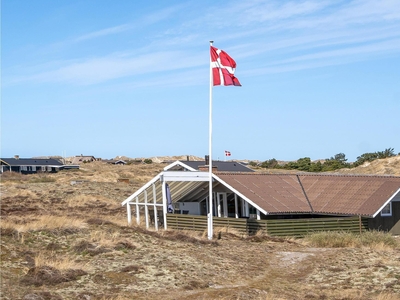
(245, 199)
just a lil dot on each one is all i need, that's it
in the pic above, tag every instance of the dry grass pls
(120, 221)
(12, 177)
(85, 200)
(371, 239)
(220, 232)
(44, 223)
(41, 178)
(129, 298)
(105, 238)
(385, 296)
(387, 166)
(22, 194)
(74, 243)
(61, 263)
(108, 172)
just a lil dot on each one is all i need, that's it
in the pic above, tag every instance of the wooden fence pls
(282, 227)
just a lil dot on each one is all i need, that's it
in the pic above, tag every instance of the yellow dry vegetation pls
(387, 166)
(73, 220)
(83, 200)
(44, 222)
(104, 238)
(61, 263)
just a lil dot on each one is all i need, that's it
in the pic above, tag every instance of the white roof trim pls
(170, 176)
(185, 176)
(239, 194)
(386, 203)
(179, 163)
(139, 191)
(189, 176)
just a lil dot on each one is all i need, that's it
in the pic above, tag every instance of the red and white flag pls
(223, 68)
(227, 153)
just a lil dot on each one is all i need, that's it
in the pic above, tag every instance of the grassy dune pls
(65, 236)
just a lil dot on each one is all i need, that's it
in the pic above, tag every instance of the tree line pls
(336, 162)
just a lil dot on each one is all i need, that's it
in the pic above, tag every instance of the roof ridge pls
(312, 174)
(304, 192)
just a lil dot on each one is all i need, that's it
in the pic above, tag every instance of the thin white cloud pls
(97, 70)
(163, 14)
(146, 20)
(306, 34)
(103, 32)
(267, 11)
(352, 14)
(328, 58)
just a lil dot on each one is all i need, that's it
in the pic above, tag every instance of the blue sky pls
(109, 78)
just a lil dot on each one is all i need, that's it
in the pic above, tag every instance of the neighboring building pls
(30, 165)
(220, 166)
(80, 159)
(272, 196)
(114, 161)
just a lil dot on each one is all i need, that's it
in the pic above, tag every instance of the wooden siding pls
(297, 227)
(387, 223)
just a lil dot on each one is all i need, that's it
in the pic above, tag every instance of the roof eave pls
(240, 194)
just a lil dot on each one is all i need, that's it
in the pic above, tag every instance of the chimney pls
(207, 158)
(187, 157)
(16, 156)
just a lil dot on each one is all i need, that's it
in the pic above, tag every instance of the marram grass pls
(45, 223)
(341, 239)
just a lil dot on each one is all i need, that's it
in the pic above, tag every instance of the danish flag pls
(227, 153)
(223, 68)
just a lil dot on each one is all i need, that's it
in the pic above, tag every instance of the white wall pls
(192, 207)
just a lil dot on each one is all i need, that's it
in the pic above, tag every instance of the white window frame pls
(387, 214)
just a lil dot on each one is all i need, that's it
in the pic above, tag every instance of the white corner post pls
(146, 210)
(128, 208)
(155, 207)
(164, 199)
(137, 211)
(210, 198)
(236, 207)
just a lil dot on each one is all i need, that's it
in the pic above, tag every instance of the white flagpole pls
(210, 196)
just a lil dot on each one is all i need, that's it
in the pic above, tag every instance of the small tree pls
(304, 164)
(339, 161)
(316, 167)
(270, 164)
(389, 152)
(253, 163)
(364, 158)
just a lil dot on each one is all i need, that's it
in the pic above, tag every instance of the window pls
(387, 210)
